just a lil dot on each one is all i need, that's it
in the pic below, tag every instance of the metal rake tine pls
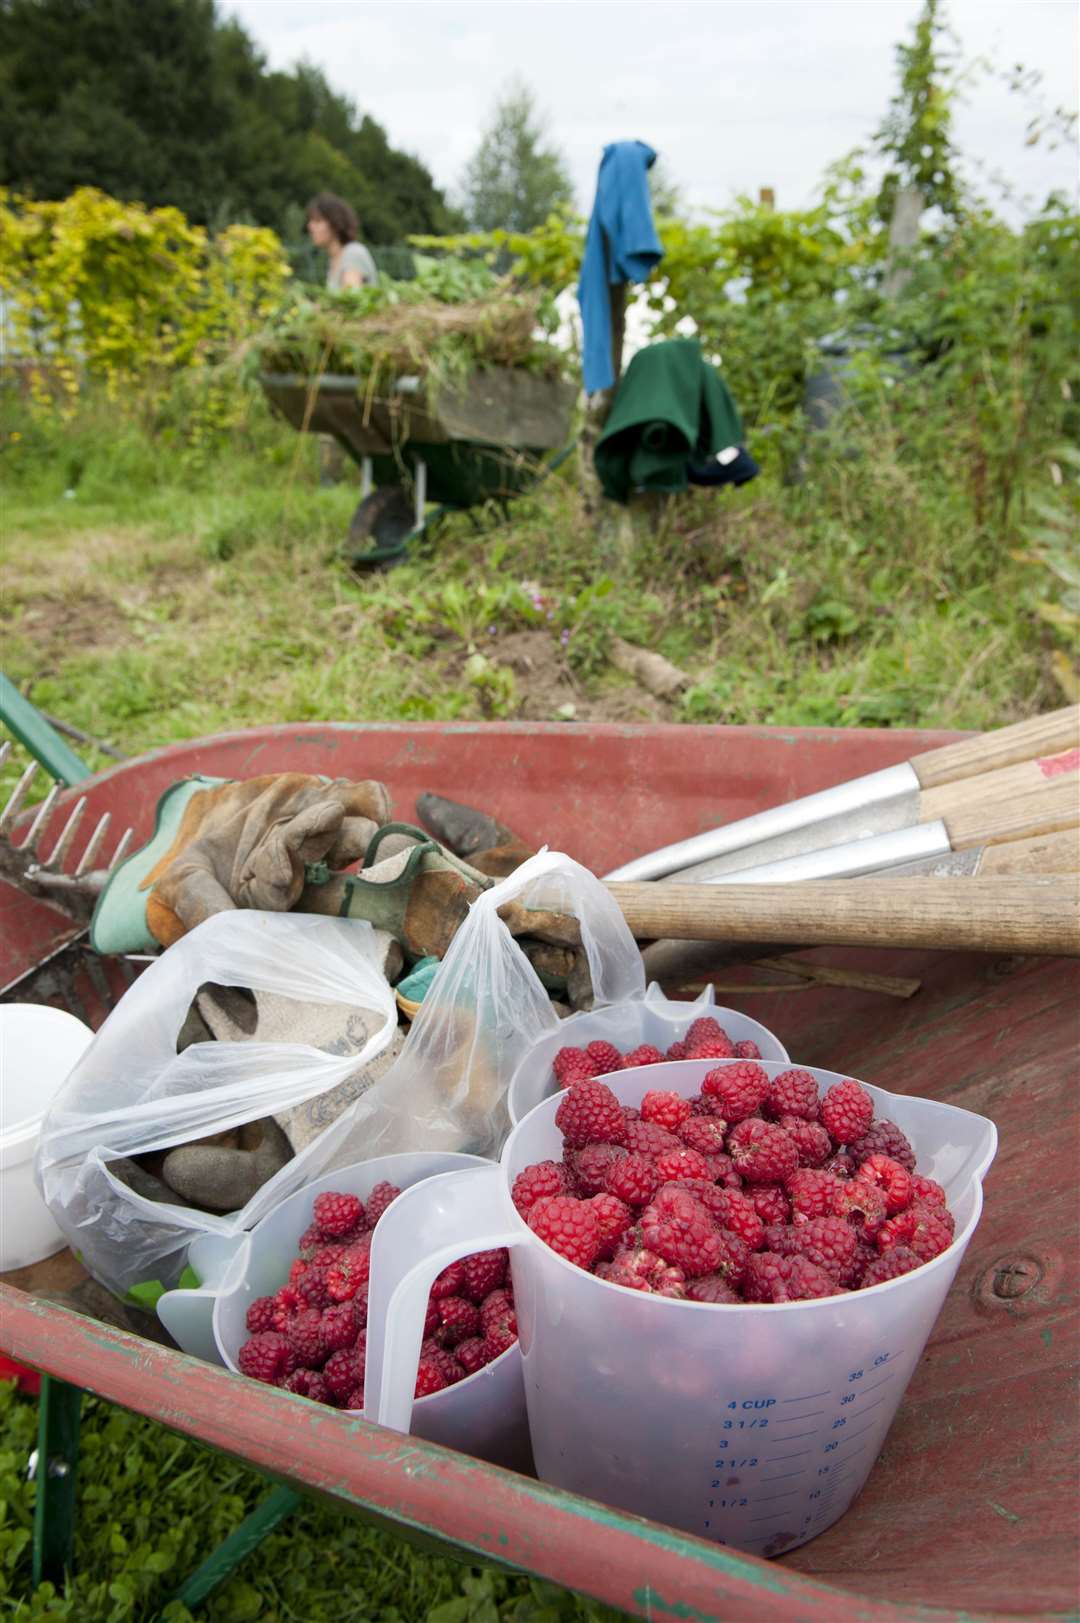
(44, 811)
(63, 844)
(16, 798)
(94, 846)
(121, 850)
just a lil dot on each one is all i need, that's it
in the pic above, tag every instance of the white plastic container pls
(482, 1415)
(755, 1426)
(38, 1047)
(653, 1019)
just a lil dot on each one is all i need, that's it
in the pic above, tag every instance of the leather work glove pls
(248, 843)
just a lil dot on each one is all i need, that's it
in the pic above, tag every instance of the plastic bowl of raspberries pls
(747, 1183)
(641, 1031)
(294, 1311)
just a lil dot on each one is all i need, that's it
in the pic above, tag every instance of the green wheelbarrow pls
(489, 437)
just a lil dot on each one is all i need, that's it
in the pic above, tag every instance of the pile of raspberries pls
(706, 1039)
(755, 1190)
(311, 1336)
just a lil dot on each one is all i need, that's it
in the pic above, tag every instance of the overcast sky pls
(735, 94)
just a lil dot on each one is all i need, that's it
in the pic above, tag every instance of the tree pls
(163, 102)
(513, 181)
(916, 133)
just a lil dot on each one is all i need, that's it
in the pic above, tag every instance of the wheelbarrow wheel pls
(386, 518)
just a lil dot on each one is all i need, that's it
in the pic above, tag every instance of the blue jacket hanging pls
(621, 246)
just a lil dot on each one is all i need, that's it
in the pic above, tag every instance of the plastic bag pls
(484, 1010)
(132, 1092)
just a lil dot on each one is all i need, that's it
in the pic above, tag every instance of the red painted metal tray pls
(971, 1508)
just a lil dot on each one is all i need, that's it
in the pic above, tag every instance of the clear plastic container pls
(482, 1415)
(653, 1019)
(755, 1426)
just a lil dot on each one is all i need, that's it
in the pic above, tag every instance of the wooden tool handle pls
(1056, 776)
(1046, 811)
(1045, 853)
(1037, 915)
(1042, 735)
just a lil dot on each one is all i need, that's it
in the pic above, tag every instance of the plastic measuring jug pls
(482, 1415)
(755, 1426)
(653, 1019)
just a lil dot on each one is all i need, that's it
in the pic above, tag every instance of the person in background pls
(333, 226)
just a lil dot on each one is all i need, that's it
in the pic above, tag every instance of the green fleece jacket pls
(672, 407)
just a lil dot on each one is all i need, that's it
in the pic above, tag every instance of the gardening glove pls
(489, 845)
(248, 843)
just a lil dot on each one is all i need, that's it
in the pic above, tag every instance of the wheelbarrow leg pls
(231, 1551)
(59, 1413)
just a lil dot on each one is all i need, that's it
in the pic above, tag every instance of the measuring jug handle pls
(468, 1206)
(221, 1261)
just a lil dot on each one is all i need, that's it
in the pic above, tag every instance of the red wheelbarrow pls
(970, 1510)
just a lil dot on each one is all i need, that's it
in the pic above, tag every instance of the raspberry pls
(762, 1152)
(474, 1353)
(674, 1165)
(590, 1114)
(847, 1111)
(298, 1269)
(568, 1226)
(927, 1208)
(445, 1361)
(900, 1259)
(731, 1211)
(676, 1051)
(343, 1372)
(927, 1191)
(311, 1239)
(932, 1235)
(828, 1241)
(313, 1286)
(499, 1320)
(711, 1288)
(781, 1238)
(336, 1214)
(451, 1282)
(721, 1049)
(631, 1113)
(811, 1191)
(590, 1165)
(649, 1138)
(286, 1303)
(772, 1278)
(678, 1228)
(645, 1055)
(304, 1336)
(572, 1065)
(359, 1305)
(865, 1253)
(542, 1178)
(811, 1140)
(891, 1178)
(639, 1270)
(883, 1138)
(613, 1218)
(429, 1378)
(792, 1093)
(861, 1203)
(309, 1383)
(326, 1254)
(704, 1134)
(633, 1179)
(605, 1056)
(337, 1328)
(260, 1314)
(770, 1202)
(485, 1272)
(344, 1277)
(267, 1357)
(670, 1110)
(458, 1319)
(722, 1171)
(747, 1049)
(703, 1030)
(379, 1199)
(739, 1089)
